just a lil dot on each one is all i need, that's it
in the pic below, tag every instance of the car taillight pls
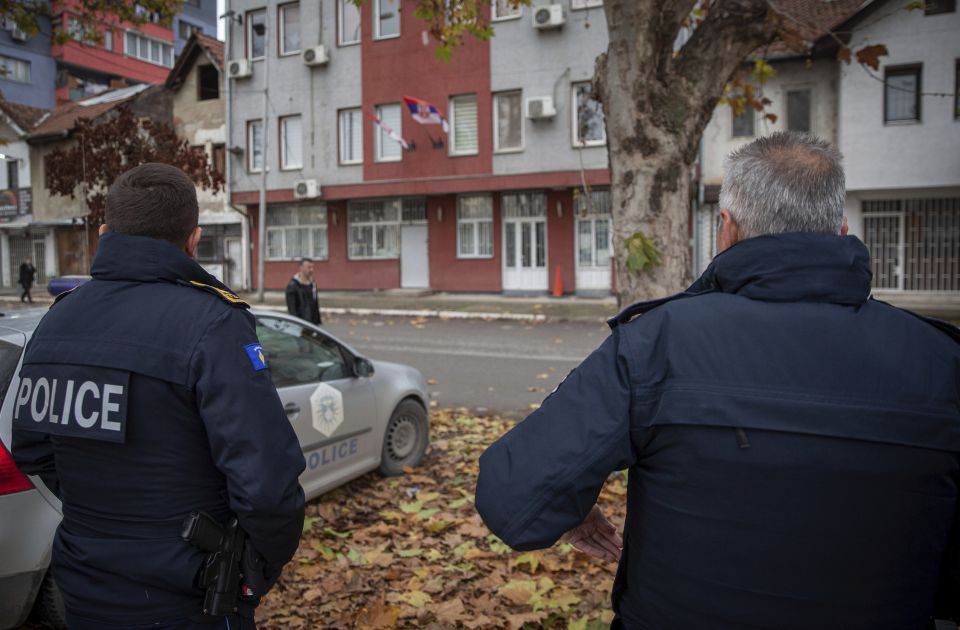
(11, 479)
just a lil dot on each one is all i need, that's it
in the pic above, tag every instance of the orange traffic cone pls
(557, 283)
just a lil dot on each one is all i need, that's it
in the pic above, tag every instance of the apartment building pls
(512, 199)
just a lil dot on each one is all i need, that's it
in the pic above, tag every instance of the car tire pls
(48, 608)
(406, 438)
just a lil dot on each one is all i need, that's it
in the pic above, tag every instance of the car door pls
(332, 411)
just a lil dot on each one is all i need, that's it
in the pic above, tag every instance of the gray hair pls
(784, 182)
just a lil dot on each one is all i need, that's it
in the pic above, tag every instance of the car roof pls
(17, 326)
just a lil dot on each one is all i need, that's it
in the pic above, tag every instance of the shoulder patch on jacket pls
(230, 298)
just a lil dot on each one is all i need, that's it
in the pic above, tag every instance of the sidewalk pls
(415, 303)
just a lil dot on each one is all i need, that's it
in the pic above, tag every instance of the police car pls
(351, 415)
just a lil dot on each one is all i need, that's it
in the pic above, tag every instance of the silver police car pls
(351, 414)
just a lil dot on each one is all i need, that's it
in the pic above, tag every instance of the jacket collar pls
(798, 267)
(142, 259)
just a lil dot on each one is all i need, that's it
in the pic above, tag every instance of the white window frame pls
(786, 104)
(341, 40)
(380, 136)
(24, 75)
(578, 5)
(495, 17)
(733, 122)
(496, 124)
(280, 21)
(373, 225)
(251, 166)
(575, 114)
(248, 27)
(452, 109)
(164, 49)
(281, 130)
(376, 21)
(343, 139)
(308, 227)
(475, 222)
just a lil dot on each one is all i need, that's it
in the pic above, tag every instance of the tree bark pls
(656, 104)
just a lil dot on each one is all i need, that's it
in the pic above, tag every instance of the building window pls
(351, 136)
(387, 20)
(75, 29)
(588, 127)
(220, 159)
(108, 40)
(743, 123)
(508, 121)
(463, 125)
(208, 82)
(474, 226)
(935, 7)
(348, 27)
(291, 143)
(186, 29)
(505, 10)
(256, 42)
(254, 145)
(374, 229)
(585, 4)
(149, 50)
(290, 28)
(388, 149)
(901, 100)
(798, 110)
(295, 232)
(13, 174)
(14, 69)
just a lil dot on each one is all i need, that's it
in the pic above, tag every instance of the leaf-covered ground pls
(411, 552)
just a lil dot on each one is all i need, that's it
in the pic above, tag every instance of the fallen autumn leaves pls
(411, 551)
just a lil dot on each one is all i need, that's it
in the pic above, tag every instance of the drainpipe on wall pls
(262, 217)
(245, 262)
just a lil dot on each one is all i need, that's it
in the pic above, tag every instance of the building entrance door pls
(414, 257)
(525, 242)
(593, 241)
(233, 263)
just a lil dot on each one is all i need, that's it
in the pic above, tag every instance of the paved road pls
(482, 365)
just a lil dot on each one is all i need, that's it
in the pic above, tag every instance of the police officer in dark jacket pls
(793, 446)
(144, 396)
(301, 294)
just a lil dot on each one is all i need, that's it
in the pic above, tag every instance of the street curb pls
(396, 312)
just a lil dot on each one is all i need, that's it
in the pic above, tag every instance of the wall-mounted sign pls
(14, 203)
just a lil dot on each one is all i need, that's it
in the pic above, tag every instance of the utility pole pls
(264, 126)
(230, 152)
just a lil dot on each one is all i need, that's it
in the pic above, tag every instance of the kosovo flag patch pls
(256, 355)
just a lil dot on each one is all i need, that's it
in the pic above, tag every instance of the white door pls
(524, 242)
(234, 263)
(414, 259)
(593, 254)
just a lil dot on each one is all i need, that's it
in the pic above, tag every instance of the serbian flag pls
(390, 132)
(426, 113)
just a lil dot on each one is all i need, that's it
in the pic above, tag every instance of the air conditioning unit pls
(239, 69)
(19, 34)
(306, 189)
(549, 16)
(316, 56)
(540, 107)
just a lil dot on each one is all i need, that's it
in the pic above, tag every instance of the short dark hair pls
(305, 260)
(155, 200)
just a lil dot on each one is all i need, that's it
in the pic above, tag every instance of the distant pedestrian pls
(27, 273)
(302, 298)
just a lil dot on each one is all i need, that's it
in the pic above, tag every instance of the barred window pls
(475, 226)
(374, 229)
(295, 232)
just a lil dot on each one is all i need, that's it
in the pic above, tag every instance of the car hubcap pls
(402, 438)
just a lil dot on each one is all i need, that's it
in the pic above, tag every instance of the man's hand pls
(596, 536)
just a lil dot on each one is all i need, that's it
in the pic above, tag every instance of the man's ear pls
(728, 233)
(844, 227)
(192, 241)
(103, 229)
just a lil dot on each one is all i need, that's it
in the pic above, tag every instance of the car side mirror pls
(362, 367)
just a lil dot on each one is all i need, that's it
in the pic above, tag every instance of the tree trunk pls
(656, 104)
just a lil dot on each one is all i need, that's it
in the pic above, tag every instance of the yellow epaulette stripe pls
(233, 298)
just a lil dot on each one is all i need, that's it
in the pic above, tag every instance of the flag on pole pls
(393, 135)
(426, 113)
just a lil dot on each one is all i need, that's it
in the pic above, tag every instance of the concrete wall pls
(43, 69)
(902, 155)
(314, 93)
(14, 147)
(545, 63)
(819, 75)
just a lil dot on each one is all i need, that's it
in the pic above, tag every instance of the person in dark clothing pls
(27, 274)
(793, 445)
(158, 402)
(302, 299)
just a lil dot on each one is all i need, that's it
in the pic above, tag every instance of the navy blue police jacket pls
(144, 397)
(792, 448)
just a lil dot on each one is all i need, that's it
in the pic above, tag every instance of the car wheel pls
(48, 608)
(406, 438)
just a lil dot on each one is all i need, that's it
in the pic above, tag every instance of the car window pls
(9, 356)
(298, 355)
